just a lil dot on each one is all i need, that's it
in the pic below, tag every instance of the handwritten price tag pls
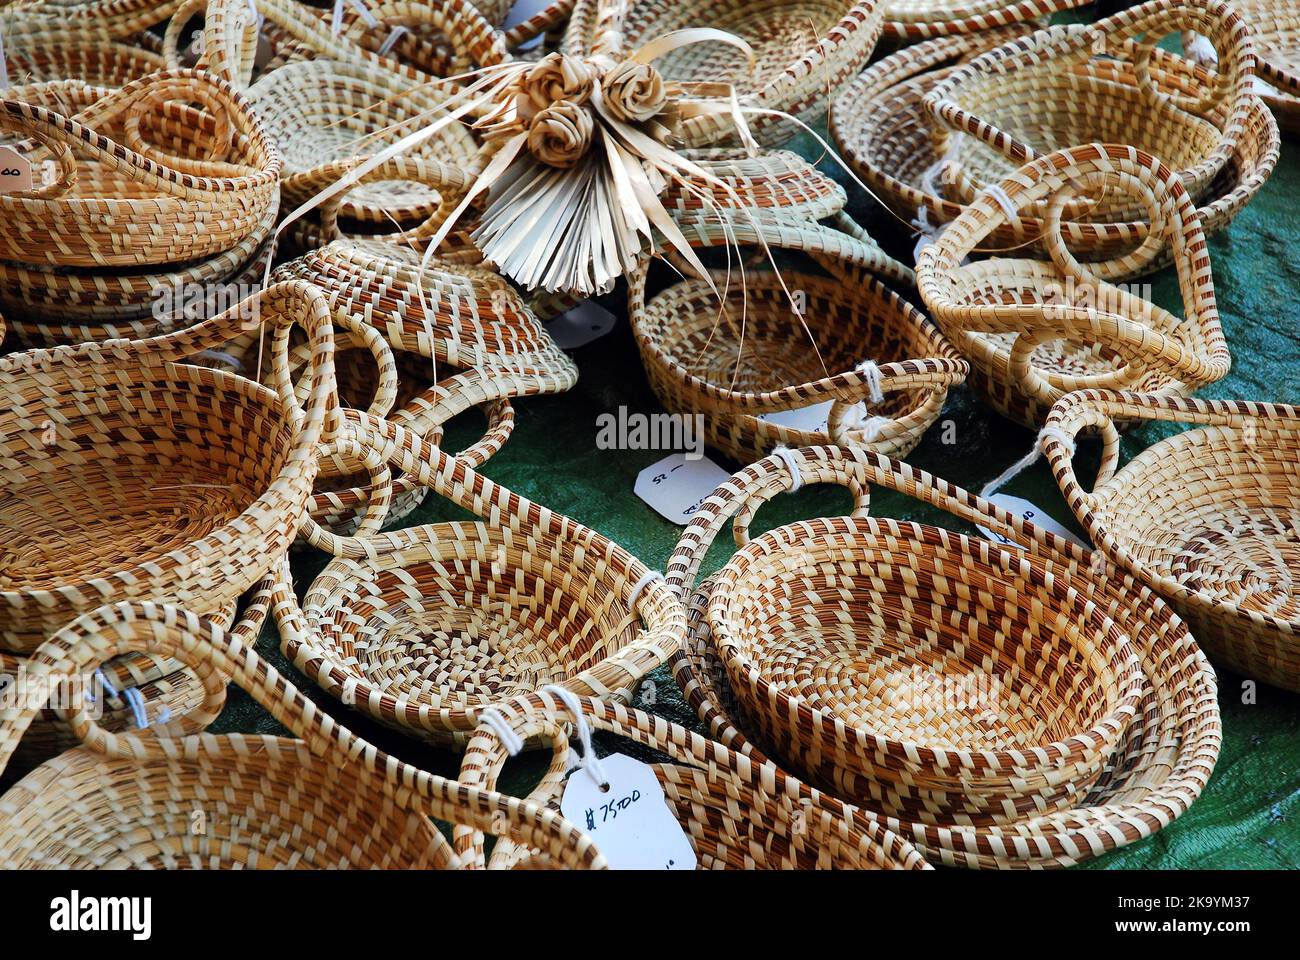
(630, 821)
(676, 487)
(15, 171)
(1031, 512)
(812, 419)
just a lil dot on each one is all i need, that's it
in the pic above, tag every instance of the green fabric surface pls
(1249, 815)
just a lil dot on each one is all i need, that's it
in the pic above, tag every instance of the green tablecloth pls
(1249, 816)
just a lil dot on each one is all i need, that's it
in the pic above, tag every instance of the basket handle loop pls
(164, 630)
(1222, 27)
(745, 491)
(282, 305)
(475, 41)
(451, 183)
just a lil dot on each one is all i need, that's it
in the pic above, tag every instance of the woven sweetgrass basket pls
(803, 48)
(736, 814)
(1045, 92)
(919, 19)
(98, 63)
(426, 627)
(757, 356)
(131, 475)
(1162, 761)
(148, 800)
(1208, 518)
(883, 132)
(297, 31)
(126, 188)
(936, 675)
(1275, 27)
(1036, 329)
(322, 112)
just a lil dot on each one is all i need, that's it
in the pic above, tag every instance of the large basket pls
(1036, 329)
(118, 200)
(128, 474)
(425, 628)
(736, 814)
(172, 799)
(757, 356)
(1162, 761)
(803, 48)
(1208, 518)
(1045, 92)
(884, 133)
(932, 675)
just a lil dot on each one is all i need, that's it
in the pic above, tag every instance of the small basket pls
(909, 20)
(174, 799)
(425, 628)
(1208, 518)
(116, 200)
(1045, 92)
(878, 363)
(322, 112)
(737, 815)
(935, 674)
(803, 48)
(1036, 329)
(131, 475)
(884, 134)
(1164, 757)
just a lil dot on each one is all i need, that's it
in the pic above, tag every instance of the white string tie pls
(786, 456)
(136, 703)
(399, 31)
(589, 761)
(494, 721)
(1001, 198)
(1028, 460)
(647, 578)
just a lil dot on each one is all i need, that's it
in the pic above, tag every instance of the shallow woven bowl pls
(120, 198)
(449, 619)
(700, 362)
(425, 627)
(1161, 764)
(1043, 92)
(129, 475)
(883, 133)
(803, 48)
(1208, 518)
(325, 111)
(736, 815)
(971, 703)
(1035, 329)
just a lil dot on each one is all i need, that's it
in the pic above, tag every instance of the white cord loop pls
(136, 702)
(589, 761)
(1027, 461)
(786, 456)
(494, 721)
(647, 578)
(1001, 198)
(399, 31)
(870, 372)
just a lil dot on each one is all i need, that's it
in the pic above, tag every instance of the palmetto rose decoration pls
(583, 151)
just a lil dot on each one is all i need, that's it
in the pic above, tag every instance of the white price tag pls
(812, 419)
(1033, 514)
(15, 171)
(575, 328)
(676, 486)
(630, 821)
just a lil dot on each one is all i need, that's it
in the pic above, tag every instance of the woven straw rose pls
(561, 134)
(558, 78)
(634, 92)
